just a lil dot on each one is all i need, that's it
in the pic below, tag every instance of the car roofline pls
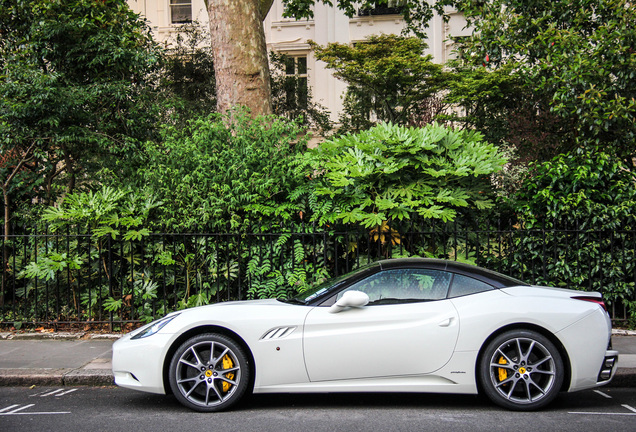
(493, 278)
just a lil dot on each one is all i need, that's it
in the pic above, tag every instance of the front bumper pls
(138, 364)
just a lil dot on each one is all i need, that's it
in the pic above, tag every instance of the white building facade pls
(289, 36)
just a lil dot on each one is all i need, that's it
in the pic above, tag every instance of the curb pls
(59, 336)
(621, 332)
(56, 377)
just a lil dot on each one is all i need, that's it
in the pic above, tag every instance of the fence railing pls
(77, 278)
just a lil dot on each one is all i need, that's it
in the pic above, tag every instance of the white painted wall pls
(329, 25)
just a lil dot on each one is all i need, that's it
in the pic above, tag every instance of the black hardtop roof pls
(496, 279)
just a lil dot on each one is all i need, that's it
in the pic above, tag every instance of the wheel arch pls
(202, 330)
(527, 326)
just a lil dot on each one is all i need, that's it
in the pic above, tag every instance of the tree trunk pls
(240, 54)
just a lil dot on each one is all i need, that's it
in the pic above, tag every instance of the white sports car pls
(403, 325)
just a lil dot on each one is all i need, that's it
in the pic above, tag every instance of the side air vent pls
(278, 333)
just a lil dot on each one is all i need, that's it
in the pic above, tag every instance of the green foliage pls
(46, 267)
(107, 216)
(284, 266)
(496, 103)
(106, 212)
(73, 93)
(388, 79)
(224, 172)
(576, 56)
(186, 76)
(115, 267)
(581, 208)
(592, 187)
(393, 173)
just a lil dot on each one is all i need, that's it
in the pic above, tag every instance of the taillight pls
(596, 300)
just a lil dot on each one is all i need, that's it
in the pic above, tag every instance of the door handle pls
(447, 322)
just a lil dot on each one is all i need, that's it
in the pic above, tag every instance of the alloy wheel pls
(208, 373)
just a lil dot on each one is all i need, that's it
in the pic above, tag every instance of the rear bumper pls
(608, 369)
(587, 344)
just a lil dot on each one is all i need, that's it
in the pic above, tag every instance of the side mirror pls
(350, 299)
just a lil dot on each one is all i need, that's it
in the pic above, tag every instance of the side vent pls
(278, 333)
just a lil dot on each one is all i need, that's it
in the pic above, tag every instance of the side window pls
(464, 285)
(403, 286)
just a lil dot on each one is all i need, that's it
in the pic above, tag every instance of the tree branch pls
(17, 168)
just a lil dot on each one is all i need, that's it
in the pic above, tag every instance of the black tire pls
(205, 382)
(521, 370)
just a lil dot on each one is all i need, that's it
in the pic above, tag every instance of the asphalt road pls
(71, 409)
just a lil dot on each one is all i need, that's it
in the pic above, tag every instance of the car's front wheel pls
(521, 370)
(209, 372)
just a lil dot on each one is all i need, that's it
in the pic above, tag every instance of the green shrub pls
(224, 172)
(389, 79)
(392, 172)
(592, 187)
(580, 207)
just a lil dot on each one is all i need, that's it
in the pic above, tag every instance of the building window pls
(180, 11)
(296, 89)
(387, 7)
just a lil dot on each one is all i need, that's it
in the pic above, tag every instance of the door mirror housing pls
(349, 299)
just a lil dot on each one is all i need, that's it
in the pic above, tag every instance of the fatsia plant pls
(106, 212)
(393, 172)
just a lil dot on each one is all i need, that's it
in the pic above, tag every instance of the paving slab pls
(51, 354)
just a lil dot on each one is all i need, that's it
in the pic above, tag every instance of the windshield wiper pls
(397, 301)
(292, 301)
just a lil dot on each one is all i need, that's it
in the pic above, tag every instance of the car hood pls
(239, 315)
(246, 303)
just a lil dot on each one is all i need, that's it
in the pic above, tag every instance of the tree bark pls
(240, 54)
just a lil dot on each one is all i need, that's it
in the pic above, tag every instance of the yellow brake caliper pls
(503, 373)
(227, 364)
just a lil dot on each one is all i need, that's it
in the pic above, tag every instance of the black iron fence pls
(80, 278)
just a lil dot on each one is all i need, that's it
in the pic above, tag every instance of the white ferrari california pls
(402, 325)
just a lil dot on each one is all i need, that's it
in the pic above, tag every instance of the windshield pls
(322, 288)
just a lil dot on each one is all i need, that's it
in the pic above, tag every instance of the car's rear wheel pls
(521, 370)
(209, 372)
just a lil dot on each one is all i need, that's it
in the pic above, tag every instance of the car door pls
(408, 328)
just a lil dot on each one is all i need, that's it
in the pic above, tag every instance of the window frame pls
(297, 77)
(173, 4)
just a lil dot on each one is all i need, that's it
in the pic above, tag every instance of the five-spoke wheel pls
(209, 372)
(521, 370)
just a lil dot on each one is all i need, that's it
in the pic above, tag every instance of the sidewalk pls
(69, 359)
(54, 359)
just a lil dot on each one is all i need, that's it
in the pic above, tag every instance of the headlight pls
(153, 327)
